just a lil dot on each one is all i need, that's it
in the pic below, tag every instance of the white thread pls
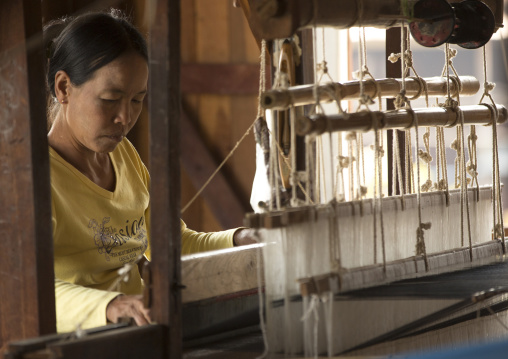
(262, 323)
(313, 310)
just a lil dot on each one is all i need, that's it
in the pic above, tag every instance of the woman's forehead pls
(125, 71)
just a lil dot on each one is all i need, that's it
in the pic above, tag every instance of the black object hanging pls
(469, 24)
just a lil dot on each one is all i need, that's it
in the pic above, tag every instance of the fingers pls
(245, 236)
(128, 306)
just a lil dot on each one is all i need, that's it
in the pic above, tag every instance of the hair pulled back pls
(80, 46)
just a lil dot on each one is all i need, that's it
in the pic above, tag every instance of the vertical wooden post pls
(27, 296)
(164, 104)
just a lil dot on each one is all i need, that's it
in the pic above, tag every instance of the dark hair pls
(87, 43)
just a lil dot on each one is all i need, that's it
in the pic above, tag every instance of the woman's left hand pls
(244, 236)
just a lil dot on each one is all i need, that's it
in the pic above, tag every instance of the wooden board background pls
(222, 108)
(216, 32)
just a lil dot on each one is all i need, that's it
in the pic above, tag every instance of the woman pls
(97, 77)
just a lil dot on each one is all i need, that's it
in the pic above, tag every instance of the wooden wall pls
(215, 32)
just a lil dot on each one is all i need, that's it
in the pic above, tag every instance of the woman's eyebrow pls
(119, 91)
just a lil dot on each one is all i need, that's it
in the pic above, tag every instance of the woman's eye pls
(109, 99)
(136, 101)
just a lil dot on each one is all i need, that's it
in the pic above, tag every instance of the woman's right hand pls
(128, 306)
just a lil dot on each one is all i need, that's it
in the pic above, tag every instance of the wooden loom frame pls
(167, 272)
(25, 215)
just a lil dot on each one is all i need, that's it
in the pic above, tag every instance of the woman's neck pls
(96, 166)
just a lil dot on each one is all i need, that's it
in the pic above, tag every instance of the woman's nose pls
(124, 113)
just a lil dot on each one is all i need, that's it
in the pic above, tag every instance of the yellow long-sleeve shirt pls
(96, 232)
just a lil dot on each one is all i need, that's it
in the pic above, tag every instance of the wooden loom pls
(319, 258)
(168, 291)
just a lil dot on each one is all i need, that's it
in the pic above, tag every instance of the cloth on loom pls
(455, 285)
(96, 232)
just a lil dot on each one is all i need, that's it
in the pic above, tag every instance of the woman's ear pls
(62, 86)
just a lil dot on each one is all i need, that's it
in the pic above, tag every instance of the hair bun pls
(51, 31)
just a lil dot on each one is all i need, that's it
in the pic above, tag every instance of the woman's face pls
(101, 112)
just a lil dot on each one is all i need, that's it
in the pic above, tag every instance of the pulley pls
(469, 24)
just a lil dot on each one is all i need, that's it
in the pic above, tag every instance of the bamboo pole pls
(398, 119)
(281, 99)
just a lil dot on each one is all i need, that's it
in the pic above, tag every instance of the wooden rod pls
(281, 99)
(397, 119)
(275, 19)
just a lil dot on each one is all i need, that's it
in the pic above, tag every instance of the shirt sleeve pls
(76, 304)
(193, 242)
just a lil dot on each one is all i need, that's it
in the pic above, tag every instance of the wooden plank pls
(188, 36)
(164, 104)
(236, 36)
(199, 165)
(217, 273)
(212, 31)
(26, 265)
(112, 341)
(221, 79)
(133, 342)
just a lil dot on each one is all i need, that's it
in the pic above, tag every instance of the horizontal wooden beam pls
(219, 273)
(222, 79)
(283, 98)
(113, 341)
(199, 165)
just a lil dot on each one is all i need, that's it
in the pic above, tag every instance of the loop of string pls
(464, 195)
(426, 157)
(378, 189)
(497, 204)
(402, 102)
(458, 144)
(420, 238)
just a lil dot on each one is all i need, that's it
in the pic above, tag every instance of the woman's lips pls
(116, 138)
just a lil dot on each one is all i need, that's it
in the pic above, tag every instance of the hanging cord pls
(364, 101)
(420, 239)
(472, 164)
(426, 157)
(309, 163)
(378, 190)
(315, 145)
(442, 176)
(402, 102)
(262, 86)
(296, 178)
(497, 204)
(464, 194)
(458, 145)
(321, 169)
